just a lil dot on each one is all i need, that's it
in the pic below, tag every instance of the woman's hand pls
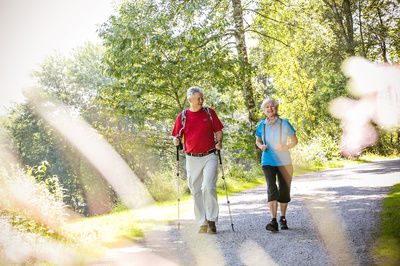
(264, 147)
(293, 142)
(281, 147)
(260, 144)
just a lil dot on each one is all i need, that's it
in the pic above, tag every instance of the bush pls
(29, 203)
(387, 144)
(317, 151)
(163, 185)
(242, 173)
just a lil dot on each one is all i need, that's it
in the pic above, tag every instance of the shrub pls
(317, 151)
(29, 203)
(31, 217)
(163, 185)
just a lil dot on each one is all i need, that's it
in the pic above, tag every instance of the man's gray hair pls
(192, 90)
(269, 99)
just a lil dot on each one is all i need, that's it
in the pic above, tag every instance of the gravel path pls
(332, 218)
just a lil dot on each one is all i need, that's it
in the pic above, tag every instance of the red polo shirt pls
(198, 134)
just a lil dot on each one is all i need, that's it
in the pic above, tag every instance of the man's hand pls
(176, 141)
(218, 145)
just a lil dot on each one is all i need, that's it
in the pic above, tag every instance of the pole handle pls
(180, 146)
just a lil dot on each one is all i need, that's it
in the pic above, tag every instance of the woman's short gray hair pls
(269, 99)
(192, 90)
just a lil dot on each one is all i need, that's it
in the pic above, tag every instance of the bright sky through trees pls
(31, 30)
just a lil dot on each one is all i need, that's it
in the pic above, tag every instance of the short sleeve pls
(216, 122)
(291, 130)
(178, 126)
(259, 130)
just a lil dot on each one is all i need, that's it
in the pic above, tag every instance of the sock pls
(283, 217)
(274, 219)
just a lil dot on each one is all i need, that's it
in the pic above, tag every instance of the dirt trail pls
(332, 218)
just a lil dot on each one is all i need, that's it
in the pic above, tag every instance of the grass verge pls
(387, 245)
(340, 162)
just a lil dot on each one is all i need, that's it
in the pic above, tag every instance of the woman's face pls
(270, 109)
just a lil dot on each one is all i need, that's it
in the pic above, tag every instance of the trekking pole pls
(226, 191)
(177, 177)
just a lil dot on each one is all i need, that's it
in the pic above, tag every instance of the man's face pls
(197, 100)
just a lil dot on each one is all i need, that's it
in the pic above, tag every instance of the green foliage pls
(317, 151)
(387, 144)
(75, 79)
(155, 51)
(36, 142)
(303, 77)
(51, 183)
(302, 45)
(379, 23)
(387, 245)
(163, 186)
(39, 191)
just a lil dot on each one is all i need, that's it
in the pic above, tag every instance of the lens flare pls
(378, 88)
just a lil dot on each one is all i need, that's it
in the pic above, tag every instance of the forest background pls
(131, 87)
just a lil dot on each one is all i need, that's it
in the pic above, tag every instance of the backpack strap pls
(265, 140)
(183, 121)
(209, 114)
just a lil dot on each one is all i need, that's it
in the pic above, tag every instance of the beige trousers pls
(202, 175)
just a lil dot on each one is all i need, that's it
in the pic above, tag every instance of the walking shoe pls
(272, 226)
(211, 227)
(283, 223)
(203, 229)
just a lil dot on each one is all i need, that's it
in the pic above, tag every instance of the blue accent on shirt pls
(271, 156)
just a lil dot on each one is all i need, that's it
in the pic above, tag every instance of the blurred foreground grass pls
(387, 245)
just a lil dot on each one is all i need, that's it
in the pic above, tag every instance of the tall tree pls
(344, 28)
(297, 56)
(245, 67)
(155, 51)
(381, 30)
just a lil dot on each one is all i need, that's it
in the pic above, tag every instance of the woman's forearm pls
(293, 141)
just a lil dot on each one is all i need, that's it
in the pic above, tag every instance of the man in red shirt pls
(201, 131)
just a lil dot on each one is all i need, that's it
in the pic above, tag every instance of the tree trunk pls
(245, 75)
(382, 36)
(361, 29)
(344, 18)
(348, 18)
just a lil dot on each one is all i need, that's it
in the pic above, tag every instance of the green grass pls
(387, 247)
(94, 236)
(340, 162)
